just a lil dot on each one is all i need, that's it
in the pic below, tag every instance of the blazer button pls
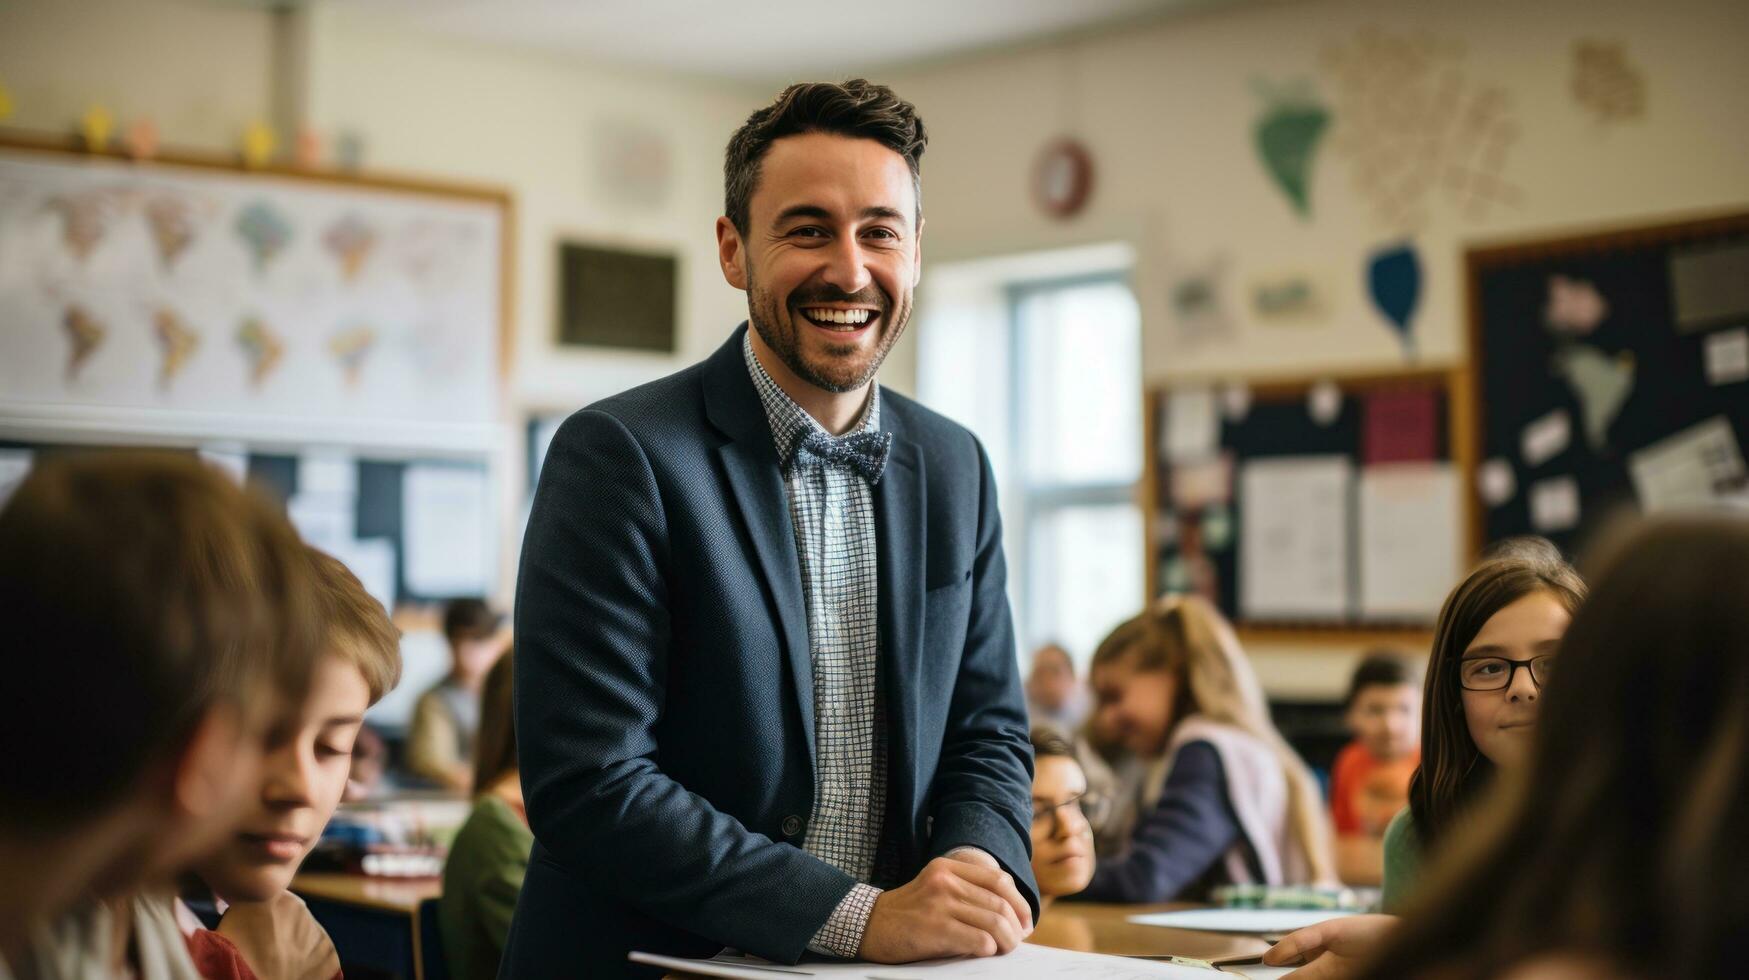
(792, 825)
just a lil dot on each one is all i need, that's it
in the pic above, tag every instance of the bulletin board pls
(186, 296)
(1323, 509)
(1611, 376)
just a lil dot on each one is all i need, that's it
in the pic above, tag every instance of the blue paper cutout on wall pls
(1394, 277)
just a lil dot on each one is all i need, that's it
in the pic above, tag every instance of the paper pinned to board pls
(1496, 482)
(1193, 425)
(14, 467)
(1727, 356)
(1294, 537)
(1709, 284)
(1027, 962)
(446, 530)
(1255, 922)
(1547, 437)
(323, 520)
(1410, 546)
(1554, 504)
(327, 473)
(1696, 467)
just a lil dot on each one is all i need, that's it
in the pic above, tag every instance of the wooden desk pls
(374, 922)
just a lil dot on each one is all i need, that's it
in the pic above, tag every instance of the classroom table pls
(375, 922)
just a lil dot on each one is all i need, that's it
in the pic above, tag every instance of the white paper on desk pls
(1256, 922)
(373, 561)
(1547, 437)
(328, 473)
(324, 520)
(1410, 552)
(1025, 963)
(1693, 468)
(1193, 425)
(1294, 537)
(14, 467)
(1554, 504)
(446, 530)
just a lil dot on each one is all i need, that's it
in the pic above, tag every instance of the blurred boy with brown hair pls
(163, 620)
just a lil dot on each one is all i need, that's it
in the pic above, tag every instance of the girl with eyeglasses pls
(1226, 800)
(1493, 650)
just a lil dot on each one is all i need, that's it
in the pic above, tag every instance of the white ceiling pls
(766, 40)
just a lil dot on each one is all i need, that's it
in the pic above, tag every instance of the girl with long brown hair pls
(1617, 851)
(1493, 648)
(1227, 799)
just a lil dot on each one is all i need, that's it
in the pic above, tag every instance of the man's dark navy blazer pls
(664, 693)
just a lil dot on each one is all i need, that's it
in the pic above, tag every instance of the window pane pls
(1080, 393)
(1084, 574)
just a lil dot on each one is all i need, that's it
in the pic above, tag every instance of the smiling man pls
(767, 693)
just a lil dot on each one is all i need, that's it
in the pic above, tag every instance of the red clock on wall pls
(1062, 178)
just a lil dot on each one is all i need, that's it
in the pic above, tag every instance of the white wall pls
(201, 71)
(1167, 111)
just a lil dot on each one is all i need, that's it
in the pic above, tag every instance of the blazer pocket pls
(947, 581)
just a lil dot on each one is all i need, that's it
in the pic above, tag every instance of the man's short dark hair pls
(857, 108)
(1382, 668)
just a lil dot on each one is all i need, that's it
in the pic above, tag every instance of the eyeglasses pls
(1091, 806)
(1497, 673)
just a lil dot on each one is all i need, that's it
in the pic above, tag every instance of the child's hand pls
(1332, 949)
(280, 939)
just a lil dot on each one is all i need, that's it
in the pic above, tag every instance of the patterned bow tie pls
(865, 452)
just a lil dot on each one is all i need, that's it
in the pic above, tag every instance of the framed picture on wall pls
(618, 298)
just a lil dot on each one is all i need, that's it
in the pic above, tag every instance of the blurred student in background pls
(1054, 695)
(165, 621)
(1494, 647)
(263, 930)
(440, 741)
(1063, 812)
(1227, 800)
(1617, 848)
(483, 874)
(1369, 783)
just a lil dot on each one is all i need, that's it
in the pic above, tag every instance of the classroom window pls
(1077, 437)
(1040, 356)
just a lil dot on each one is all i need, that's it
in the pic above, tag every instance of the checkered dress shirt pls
(832, 510)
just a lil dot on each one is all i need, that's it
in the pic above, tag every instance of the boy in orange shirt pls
(1370, 781)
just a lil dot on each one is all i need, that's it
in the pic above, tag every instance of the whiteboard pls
(170, 302)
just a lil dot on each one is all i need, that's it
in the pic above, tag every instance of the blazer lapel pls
(900, 540)
(750, 461)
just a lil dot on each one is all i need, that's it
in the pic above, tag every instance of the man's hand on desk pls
(962, 905)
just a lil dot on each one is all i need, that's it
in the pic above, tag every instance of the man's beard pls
(839, 370)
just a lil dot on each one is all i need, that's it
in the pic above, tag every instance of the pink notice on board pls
(1400, 427)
